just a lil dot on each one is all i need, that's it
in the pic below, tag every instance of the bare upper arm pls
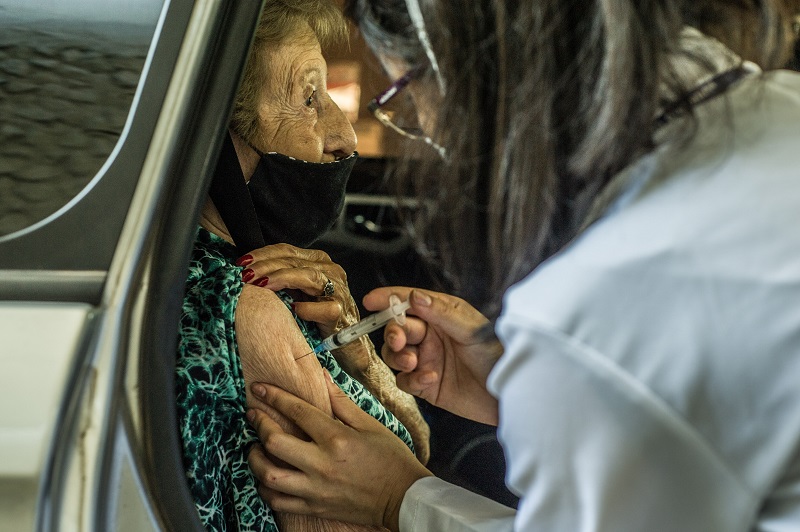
(269, 342)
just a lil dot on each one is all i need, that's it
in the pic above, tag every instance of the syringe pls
(396, 311)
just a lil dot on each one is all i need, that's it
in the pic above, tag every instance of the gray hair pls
(280, 21)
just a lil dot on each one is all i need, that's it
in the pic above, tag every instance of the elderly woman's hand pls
(312, 272)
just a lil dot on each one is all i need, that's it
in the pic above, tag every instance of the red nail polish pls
(244, 260)
(262, 282)
(293, 307)
(248, 274)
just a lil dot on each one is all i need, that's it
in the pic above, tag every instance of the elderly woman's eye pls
(310, 100)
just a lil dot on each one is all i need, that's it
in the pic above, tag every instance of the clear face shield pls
(415, 13)
(392, 107)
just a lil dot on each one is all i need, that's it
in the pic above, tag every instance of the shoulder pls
(213, 280)
(714, 212)
(266, 330)
(261, 313)
(673, 309)
(695, 327)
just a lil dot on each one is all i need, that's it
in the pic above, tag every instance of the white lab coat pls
(651, 374)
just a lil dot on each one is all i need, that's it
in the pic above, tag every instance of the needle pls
(303, 356)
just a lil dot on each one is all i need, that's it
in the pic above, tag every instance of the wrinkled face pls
(297, 116)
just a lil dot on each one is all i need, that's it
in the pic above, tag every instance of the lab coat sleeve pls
(590, 448)
(433, 504)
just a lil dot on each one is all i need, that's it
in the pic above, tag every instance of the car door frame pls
(131, 269)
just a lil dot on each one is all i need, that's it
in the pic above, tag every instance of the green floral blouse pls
(210, 393)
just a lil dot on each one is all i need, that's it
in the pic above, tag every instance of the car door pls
(112, 114)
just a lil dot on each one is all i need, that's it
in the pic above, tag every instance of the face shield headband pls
(415, 13)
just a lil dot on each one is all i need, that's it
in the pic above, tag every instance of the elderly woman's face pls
(297, 116)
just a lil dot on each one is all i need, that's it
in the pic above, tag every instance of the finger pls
(404, 360)
(451, 315)
(253, 401)
(278, 442)
(323, 311)
(287, 251)
(281, 502)
(412, 332)
(270, 262)
(378, 298)
(454, 316)
(311, 420)
(394, 338)
(306, 278)
(346, 411)
(274, 477)
(422, 384)
(259, 272)
(264, 423)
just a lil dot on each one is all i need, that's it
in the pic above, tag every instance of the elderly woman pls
(295, 148)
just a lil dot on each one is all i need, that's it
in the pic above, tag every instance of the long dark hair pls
(546, 101)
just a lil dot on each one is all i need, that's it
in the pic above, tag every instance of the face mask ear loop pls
(231, 197)
(415, 13)
(259, 152)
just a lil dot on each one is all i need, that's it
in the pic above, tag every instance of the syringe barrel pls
(367, 325)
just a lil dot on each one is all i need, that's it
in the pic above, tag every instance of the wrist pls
(357, 358)
(391, 516)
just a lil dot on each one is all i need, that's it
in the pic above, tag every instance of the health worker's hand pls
(354, 469)
(286, 267)
(438, 352)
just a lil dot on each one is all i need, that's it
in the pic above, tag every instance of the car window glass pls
(68, 74)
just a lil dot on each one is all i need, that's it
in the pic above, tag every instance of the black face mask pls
(287, 200)
(297, 201)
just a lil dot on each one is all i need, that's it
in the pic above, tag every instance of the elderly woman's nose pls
(340, 139)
